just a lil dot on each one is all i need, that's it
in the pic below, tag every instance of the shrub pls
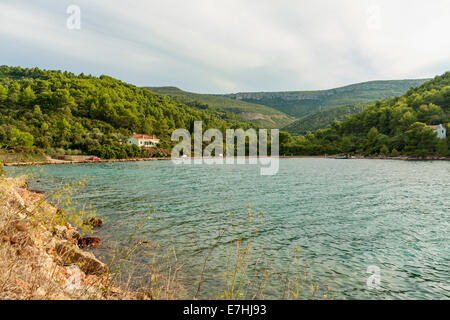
(395, 153)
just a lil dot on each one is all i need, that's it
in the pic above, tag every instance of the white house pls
(143, 140)
(440, 130)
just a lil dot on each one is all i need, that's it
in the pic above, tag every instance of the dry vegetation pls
(39, 255)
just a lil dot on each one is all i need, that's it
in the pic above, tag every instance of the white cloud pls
(232, 45)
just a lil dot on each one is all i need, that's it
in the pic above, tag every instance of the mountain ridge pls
(302, 103)
(261, 115)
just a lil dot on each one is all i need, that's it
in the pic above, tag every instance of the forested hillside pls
(396, 126)
(322, 119)
(62, 112)
(302, 103)
(261, 115)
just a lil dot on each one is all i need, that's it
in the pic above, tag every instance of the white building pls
(440, 130)
(143, 140)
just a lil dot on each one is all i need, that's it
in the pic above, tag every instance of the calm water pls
(344, 215)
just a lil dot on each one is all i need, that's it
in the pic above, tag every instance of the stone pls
(72, 234)
(60, 231)
(21, 227)
(94, 222)
(89, 242)
(87, 262)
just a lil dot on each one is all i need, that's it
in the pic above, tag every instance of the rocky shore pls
(55, 161)
(40, 256)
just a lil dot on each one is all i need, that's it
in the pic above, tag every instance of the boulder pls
(94, 222)
(88, 263)
(89, 242)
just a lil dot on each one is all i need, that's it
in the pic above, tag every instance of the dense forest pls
(395, 126)
(63, 113)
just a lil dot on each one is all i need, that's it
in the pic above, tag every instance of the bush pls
(442, 148)
(384, 150)
(395, 153)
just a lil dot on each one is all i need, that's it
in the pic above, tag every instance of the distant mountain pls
(322, 119)
(264, 116)
(302, 103)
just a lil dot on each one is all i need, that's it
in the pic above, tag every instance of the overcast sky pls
(212, 46)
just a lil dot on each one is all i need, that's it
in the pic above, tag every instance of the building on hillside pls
(440, 130)
(143, 140)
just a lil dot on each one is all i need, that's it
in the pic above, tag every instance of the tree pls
(442, 147)
(19, 140)
(372, 141)
(284, 138)
(395, 153)
(3, 93)
(13, 93)
(420, 139)
(27, 96)
(384, 150)
(408, 119)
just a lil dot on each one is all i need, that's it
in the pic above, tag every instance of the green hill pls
(263, 116)
(399, 125)
(54, 111)
(322, 119)
(302, 103)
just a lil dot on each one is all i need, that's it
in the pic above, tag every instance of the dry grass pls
(30, 266)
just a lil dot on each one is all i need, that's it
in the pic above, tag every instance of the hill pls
(399, 125)
(322, 119)
(302, 103)
(261, 115)
(60, 112)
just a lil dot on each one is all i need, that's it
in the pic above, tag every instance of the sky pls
(211, 46)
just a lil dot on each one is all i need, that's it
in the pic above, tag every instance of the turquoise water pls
(344, 215)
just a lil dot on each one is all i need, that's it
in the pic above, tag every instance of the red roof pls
(144, 136)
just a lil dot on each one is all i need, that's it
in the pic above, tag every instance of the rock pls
(60, 231)
(94, 222)
(89, 242)
(21, 227)
(72, 234)
(87, 262)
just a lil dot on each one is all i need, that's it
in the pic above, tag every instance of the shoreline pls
(334, 157)
(35, 238)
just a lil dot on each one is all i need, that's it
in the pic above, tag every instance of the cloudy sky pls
(218, 46)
